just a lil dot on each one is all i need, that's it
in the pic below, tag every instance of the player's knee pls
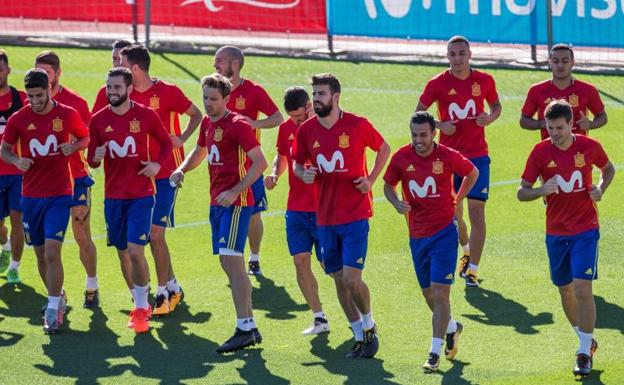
(157, 235)
(439, 294)
(583, 293)
(302, 262)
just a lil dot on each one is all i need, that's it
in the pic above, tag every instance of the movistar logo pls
(213, 155)
(422, 191)
(128, 148)
(49, 147)
(456, 112)
(567, 186)
(330, 165)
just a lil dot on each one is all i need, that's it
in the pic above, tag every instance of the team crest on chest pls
(438, 167)
(57, 125)
(579, 160)
(154, 102)
(476, 89)
(218, 135)
(135, 126)
(343, 141)
(240, 103)
(573, 99)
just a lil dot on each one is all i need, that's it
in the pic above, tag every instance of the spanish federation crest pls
(240, 103)
(573, 99)
(343, 141)
(579, 160)
(135, 126)
(218, 134)
(476, 89)
(154, 102)
(57, 125)
(438, 167)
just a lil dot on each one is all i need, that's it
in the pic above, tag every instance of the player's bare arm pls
(70, 148)
(191, 162)
(307, 175)
(365, 184)
(447, 127)
(485, 119)
(401, 206)
(584, 123)
(531, 124)
(271, 121)
(467, 183)
(527, 192)
(23, 164)
(280, 164)
(607, 174)
(195, 117)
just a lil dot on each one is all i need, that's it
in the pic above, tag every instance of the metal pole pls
(135, 21)
(534, 53)
(549, 24)
(148, 9)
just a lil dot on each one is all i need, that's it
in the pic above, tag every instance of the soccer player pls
(335, 143)
(582, 96)
(169, 102)
(11, 101)
(301, 232)
(101, 100)
(565, 163)
(121, 136)
(47, 133)
(81, 204)
(235, 161)
(425, 170)
(461, 93)
(248, 99)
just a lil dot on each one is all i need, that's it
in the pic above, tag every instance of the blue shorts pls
(573, 256)
(343, 245)
(301, 233)
(128, 220)
(259, 193)
(435, 257)
(480, 191)
(10, 194)
(82, 191)
(230, 226)
(45, 218)
(165, 202)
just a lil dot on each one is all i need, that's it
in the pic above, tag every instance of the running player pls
(47, 133)
(121, 136)
(565, 163)
(301, 232)
(169, 102)
(335, 143)
(461, 93)
(582, 96)
(81, 204)
(425, 170)
(249, 99)
(235, 161)
(101, 100)
(11, 101)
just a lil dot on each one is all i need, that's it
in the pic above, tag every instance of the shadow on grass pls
(22, 301)
(500, 311)
(255, 371)
(9, 338)
(357, 371)
(274, 299)
(609, 315)
(592, 379)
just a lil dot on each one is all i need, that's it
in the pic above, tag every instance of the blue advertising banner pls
(597, 23)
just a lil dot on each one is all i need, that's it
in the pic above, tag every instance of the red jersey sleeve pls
(83, 109)
(11, 130)
(531, 105)
(392, 175)
(300, 152)
(599, 156)
(158, 132)
(94, 142)
(532, 168)
(492, 95)
(77, 126)
(460, 164)
(180, 103)
(372, 138)
(282, 141)
(265, 103)
(246, 136)
(201, 139)
(101, 100)
(429, 95)
(595, 102)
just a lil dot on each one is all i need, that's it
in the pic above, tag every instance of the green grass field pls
(515, 331)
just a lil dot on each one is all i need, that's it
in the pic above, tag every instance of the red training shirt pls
(249, 99)
(6, 101)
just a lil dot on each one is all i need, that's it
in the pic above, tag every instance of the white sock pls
(252, 322)
(436, 345)
(585, 340)
(367, 321)
(576, 330)
(452, 326)
(7, 246)
(358, 332)
(466, 248)
(140, 299)
(473, 267)
(243, 324)
(172, 285)
(320, 315)
(254, 257)
(92, 283)
(162, 290)
(53, 302)
(133, 294)
(14, 265)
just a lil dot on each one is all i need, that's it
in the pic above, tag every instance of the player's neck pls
(122, 108)
(236, 80)
(5, 89)
(55, 90)
(142, 82)
(567, 144)
(219, 116)
(562, 83)
(47, 109)
(461, 75)
(331, 119)
(427, 153)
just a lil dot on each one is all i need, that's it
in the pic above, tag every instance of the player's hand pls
(270, 181)
(448, 127)
(363, 184)
(484, 119)
(23, 164)
(227, 198)
(550, 186)
(596, 193)
(150, 169)
(308, 175)
(176, 141)
(100, 152)
(176, 178)
(250, 121)
(402, 207)
(67, 148)
(583, 123)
